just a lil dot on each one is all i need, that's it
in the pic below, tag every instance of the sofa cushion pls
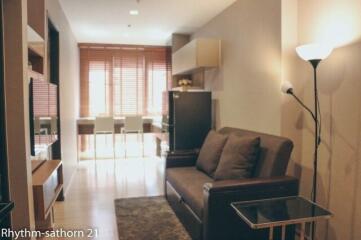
(238, 158)
(210, 152)
(274, 153)
(188, 182)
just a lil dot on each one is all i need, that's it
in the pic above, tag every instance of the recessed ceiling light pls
(134, 12)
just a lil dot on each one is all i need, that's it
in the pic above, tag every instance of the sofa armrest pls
(220, 220)
(252, 185)
(181, 160)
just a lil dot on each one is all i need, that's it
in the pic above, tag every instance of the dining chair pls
(133, 124)
(103, 125)
(54, 128)
(37, 126)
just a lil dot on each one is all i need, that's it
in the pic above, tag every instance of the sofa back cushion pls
(274, 152)
(238, 158)
(210, 152)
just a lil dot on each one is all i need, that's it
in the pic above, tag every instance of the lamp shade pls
(314, 51)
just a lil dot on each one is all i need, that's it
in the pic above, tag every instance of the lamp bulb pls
(287, 87)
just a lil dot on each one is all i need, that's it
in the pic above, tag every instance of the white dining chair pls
(54, 129)
(54, 125)
(133, 124)
(103, 125)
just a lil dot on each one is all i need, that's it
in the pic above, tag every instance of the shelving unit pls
(36, 49)
(47, 185)
(47, 175)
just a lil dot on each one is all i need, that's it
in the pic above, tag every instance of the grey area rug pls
(148, 218)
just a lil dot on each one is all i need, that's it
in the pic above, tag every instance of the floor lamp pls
(314, 54)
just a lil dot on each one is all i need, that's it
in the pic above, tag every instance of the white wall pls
(336, 22)
(246, 86)
(258, 50)
(69, 88)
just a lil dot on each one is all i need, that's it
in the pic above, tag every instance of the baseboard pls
(66, 190)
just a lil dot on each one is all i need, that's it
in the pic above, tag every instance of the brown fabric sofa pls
(203, 205)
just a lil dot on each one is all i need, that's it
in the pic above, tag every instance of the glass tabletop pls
(279, 211)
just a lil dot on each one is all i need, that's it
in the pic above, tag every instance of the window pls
(123, 81)
(98, 88)
(156, 87)
(129, 85)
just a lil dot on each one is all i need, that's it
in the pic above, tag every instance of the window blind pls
(120, 80)
(53, 108)
(41, 98)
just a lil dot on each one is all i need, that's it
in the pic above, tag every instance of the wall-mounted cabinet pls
(197, 54)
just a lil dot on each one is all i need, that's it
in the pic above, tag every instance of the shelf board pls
(33, 36)
(35, 164)
(36, 50)
(44, 172)
(35, 42)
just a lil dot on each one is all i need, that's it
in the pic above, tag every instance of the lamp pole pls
(312, 53)
(314, 64)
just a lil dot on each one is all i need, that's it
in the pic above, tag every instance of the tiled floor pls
(89, 202)
(104, 145)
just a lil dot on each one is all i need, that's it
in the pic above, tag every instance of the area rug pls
(148, 218)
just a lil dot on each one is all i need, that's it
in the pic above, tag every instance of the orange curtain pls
(121, 80)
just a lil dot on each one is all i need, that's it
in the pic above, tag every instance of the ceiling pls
(109, 21)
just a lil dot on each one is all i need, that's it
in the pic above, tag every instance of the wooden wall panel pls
(36, 16)
(17, 112)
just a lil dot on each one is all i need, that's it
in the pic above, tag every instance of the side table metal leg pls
(284, 232)
(270, 233)
(302, 233)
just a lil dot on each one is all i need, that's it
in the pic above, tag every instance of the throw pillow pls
(210, 152)
(238, 158)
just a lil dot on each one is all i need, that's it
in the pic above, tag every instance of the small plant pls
(185, 82)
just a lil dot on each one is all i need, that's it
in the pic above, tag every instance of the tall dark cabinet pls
(53, 73)
(188, 119)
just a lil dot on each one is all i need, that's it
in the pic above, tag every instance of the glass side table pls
(280, 212)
